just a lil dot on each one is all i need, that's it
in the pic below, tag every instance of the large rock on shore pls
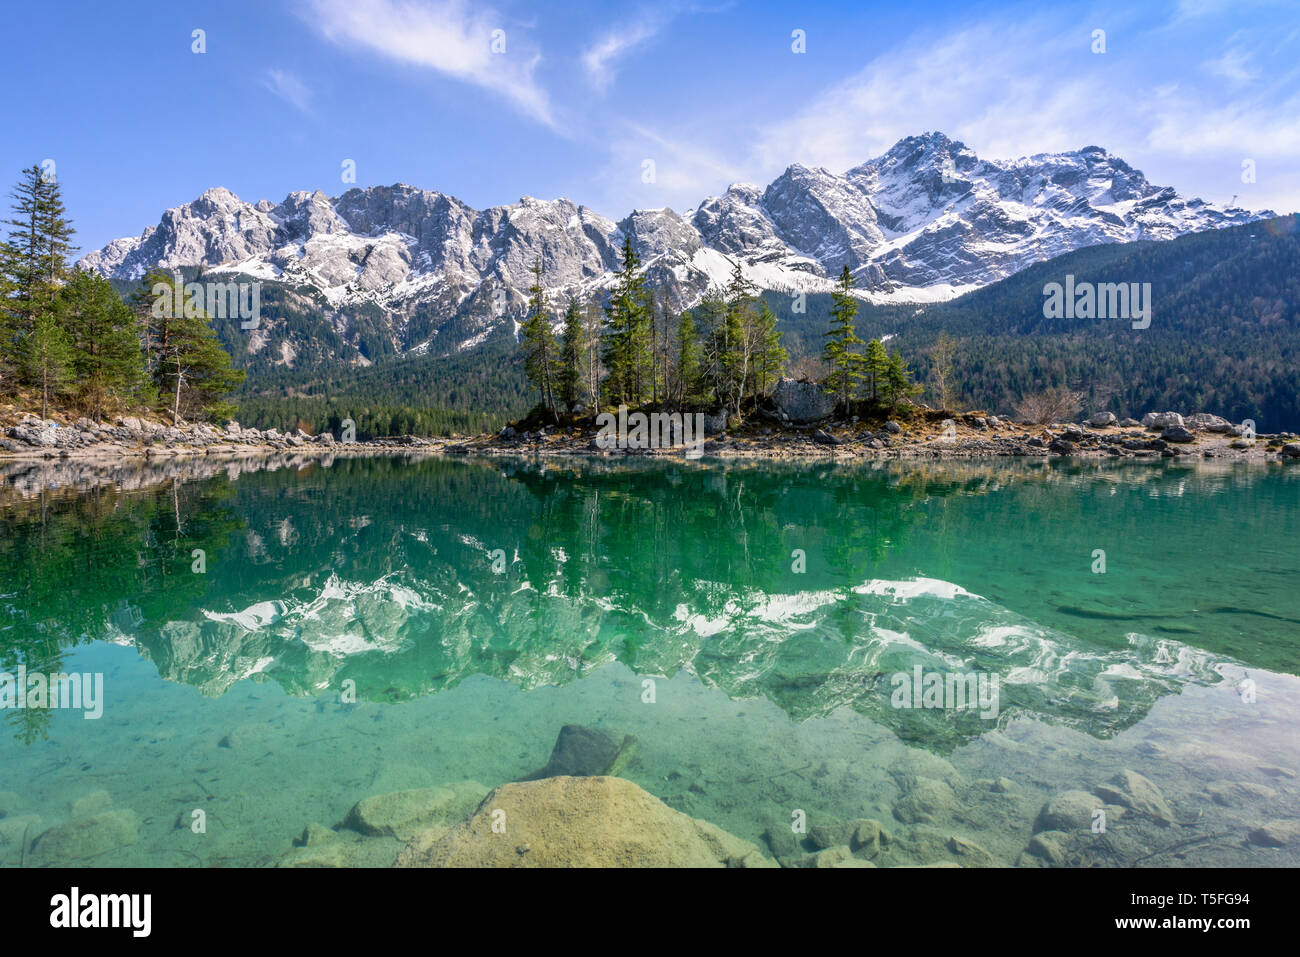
(1162, 420)
(802, 401)
(580, 822)
(1205, 422)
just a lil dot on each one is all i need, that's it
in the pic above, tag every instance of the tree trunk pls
(176, 409)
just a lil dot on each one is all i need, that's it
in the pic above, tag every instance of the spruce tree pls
(106, 355)
(191, 371)
(689, 381)
(23, 261)
(627, 339)
(46, 357)
(898, 381)
(540, 353)
(875, 367)
(573, 352)
(841, 352)
(772, 356)
(33, 260)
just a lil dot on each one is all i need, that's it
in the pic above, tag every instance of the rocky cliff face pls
(923, 222)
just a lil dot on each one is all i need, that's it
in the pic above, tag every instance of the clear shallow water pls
(773, 685)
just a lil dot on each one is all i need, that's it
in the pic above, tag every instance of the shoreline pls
(968, 436)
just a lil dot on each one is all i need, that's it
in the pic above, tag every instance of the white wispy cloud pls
(1233, 64)
(1014, 88)
(443, 35)
(288, 88)
(598, 59)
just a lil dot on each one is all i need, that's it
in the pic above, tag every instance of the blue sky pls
(585, 92)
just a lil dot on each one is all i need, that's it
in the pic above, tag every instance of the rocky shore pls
(923, 433)
(795, 425)
(29, 436)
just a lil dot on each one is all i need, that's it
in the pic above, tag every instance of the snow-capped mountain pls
(925, 221)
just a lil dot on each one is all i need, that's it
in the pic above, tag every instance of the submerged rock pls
(832, 856)
(353, 851)
(16, 835)
(1276, 834)
(91, 803)
(403, 814)
(86, 837)
(1131, 790)
(580, 822)
(868, 835)
(1068, 811)
(586, 752)
(928, 801)
(1049, 846)
(1236, 793)
(972, 854)
(829, 835)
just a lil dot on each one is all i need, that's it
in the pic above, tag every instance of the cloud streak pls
(288, 88)
(442, 35)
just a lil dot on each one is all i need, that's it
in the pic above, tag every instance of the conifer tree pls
(573, 352)
(772, 356)
(841, 352)
(898, 381)
(627, 340)
(33, 261)
(46, 356)
(540, 352)
(875, 367)
(689, 379)
(103, 333)
(593, 322)
(191, 371)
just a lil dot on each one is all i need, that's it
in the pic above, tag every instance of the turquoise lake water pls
(368, 625)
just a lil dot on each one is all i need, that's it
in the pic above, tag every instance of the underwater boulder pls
(586, 752)
(580, 822)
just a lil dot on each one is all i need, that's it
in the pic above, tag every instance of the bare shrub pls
(1053, 405)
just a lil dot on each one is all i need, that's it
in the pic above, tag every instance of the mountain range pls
(396, 270)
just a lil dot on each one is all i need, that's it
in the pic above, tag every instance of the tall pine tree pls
(841, 351)
(540, 352)
(573, 351)
(627, 333)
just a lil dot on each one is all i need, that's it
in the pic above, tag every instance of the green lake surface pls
(365, 625)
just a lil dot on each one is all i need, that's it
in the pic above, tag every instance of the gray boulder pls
(1102, 419)
(1205, 422)
(801, 401)
(1176, 433)
(1162, 420)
